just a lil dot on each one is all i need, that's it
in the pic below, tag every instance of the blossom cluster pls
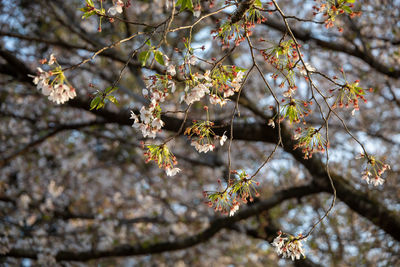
(239, 190)
(158, 88)
(150, 122)
(295, 110)
(219, 85)
(289, 246)
(331, 10)
(53, 83)
(202, 136)
(237, 31)
(374, 170)
(349, 94)
(283, 57)
(198, 91)
(163, 157)
(310, 140)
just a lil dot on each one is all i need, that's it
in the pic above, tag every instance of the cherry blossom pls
(307, 66)
(289, 247)
(222, 139)
(117, 8)
(272, 124)
(171, 70)
(214, 99)
(53, 83)
(197, 92)
(172, 171)
(234, 209)
(202, 148)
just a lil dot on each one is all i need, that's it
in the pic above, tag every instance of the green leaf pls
(110, 89)
(258, 3)
(240, 69)
(159, 57)
(88, 14)
(347, 9)
(350, 1)
(112, 99)
(185, 4)
(95, 101)
(144, 56)
(100, 105)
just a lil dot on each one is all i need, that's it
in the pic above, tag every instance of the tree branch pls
(306, 36)
(181, 243)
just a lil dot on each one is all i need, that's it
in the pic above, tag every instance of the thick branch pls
(306, 36)
(181, 243)
(243, 7)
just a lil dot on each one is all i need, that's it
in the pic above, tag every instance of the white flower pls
(52, 59)
(289, 92)
(172, 172)
(278, 243)
(192, 60)
(307, 66)
(207, 76)
(145, 92)
(71, 93)
(171, 70)
(197, 93)
(233, 210)
(145, 115)
(157, 123)
(172, 85)
(41, 78)
(236, 82)
(134, 117)
(288, 248)
(196, 13)
(60, 93)
(166, 60)
(353, 112)
(228, 92)
(377, 180)
(202, 147)
(46, 89)
(271, 123)
(366, 174)
(147, 131)
(214, 99)
(158, 96)
(223, 139)
(117, 8)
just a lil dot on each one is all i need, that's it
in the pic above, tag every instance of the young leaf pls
(144, 56)
(185, 4)
(95, 101)
(347, 9)
(112, 99)
(159, 57)
(110, 89)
